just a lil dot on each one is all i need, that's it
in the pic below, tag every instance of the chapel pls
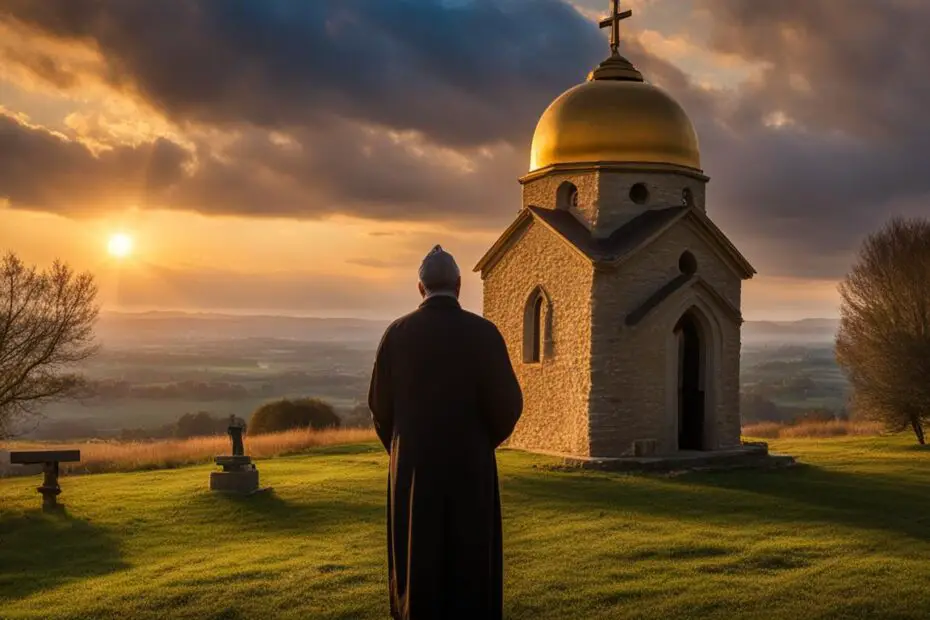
(617, 295)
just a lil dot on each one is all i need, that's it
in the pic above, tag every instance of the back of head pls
(439, 273)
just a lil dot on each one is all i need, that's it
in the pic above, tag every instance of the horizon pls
(260, 315)
(313, 185)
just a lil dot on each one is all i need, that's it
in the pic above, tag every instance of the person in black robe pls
(443, 397)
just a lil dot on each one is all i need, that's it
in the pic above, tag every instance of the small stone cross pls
(235, 430)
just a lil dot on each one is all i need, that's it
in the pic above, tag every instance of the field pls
(113, 456)
(846, 535)
(155, 367)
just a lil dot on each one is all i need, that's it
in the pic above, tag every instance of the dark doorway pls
(690, 384)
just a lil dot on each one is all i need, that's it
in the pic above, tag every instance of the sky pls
(291, 157)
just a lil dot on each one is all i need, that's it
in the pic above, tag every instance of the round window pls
(687, 264)
(639, 193)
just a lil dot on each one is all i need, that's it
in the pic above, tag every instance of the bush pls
(357, 417)
(285, 414)
(200, 424)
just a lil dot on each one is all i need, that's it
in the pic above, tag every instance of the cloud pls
(460, 73)
(424, 110)
(844, 81)
(46, 168)
(390, 110)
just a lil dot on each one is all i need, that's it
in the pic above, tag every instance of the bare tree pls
(883, 342)
(46, 327)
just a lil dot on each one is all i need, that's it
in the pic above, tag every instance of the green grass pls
(847, 535)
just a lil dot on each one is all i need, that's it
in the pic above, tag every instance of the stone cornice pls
(616, 167)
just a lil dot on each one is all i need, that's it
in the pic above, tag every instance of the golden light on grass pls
(120, 245)
(813, 429)
(111, 456)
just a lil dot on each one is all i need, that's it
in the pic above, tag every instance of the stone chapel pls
(617, 295)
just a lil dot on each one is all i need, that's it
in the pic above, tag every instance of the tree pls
(883, 342)
(200, 424)
(46, 326)
(284, 415)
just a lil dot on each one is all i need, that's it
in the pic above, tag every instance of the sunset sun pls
(120, 245)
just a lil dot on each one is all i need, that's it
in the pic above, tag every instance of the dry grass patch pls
(112, 456)
(833, 428)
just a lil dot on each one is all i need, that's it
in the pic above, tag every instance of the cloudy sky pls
(300, 157)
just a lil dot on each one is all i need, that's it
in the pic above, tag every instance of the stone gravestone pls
(239, 474)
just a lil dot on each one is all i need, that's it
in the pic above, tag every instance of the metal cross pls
(613, 22)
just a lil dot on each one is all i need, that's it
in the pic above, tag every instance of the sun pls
(120, 245)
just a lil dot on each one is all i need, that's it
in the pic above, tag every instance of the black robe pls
(443, 396)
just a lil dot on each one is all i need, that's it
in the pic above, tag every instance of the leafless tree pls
(46, 327)
(883, 342)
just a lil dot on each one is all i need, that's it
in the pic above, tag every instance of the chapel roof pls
(616, 116)
(622, 243)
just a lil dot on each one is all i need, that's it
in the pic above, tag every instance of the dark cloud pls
(370, 92)
(464, 73)
(847, 77)
(44, 168)
(347, 81)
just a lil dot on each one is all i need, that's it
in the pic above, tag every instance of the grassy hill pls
(844, 536)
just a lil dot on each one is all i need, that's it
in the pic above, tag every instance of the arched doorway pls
(692, 352)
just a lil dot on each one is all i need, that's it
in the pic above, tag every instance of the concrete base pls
(748, 456)
(242, 482)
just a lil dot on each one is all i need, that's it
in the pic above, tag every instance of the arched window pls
(566, 196)
(687, 197)
(537, 327)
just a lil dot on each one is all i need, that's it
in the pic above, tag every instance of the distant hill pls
(812, 331)
(153, 327)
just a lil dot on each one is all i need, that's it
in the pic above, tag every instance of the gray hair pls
(438, 271)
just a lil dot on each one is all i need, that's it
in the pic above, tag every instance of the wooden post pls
(50, 489)
(49, 459)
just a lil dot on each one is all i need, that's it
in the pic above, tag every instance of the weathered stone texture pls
(604, 202)
(605, 384)
(634, 380)
(615, 207)
(544, 193)
(555, 415)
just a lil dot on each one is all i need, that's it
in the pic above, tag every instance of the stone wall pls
(634, 369)
(555, 414)
(604, 202)
(544, 192)
(615, 207)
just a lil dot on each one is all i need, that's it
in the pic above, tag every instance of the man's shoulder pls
(478, 321)
(470, 320)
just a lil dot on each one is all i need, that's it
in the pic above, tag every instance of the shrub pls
(285, 414)
(200, 424)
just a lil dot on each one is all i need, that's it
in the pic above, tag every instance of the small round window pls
(639, 193)
(687, 264)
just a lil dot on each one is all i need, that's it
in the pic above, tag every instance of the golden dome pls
(615, 117)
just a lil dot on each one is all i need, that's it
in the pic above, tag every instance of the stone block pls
(241, 482)
(645, 447)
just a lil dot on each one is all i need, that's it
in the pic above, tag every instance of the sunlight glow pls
(120, 245)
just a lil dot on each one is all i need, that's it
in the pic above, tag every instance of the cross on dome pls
(613, 22)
